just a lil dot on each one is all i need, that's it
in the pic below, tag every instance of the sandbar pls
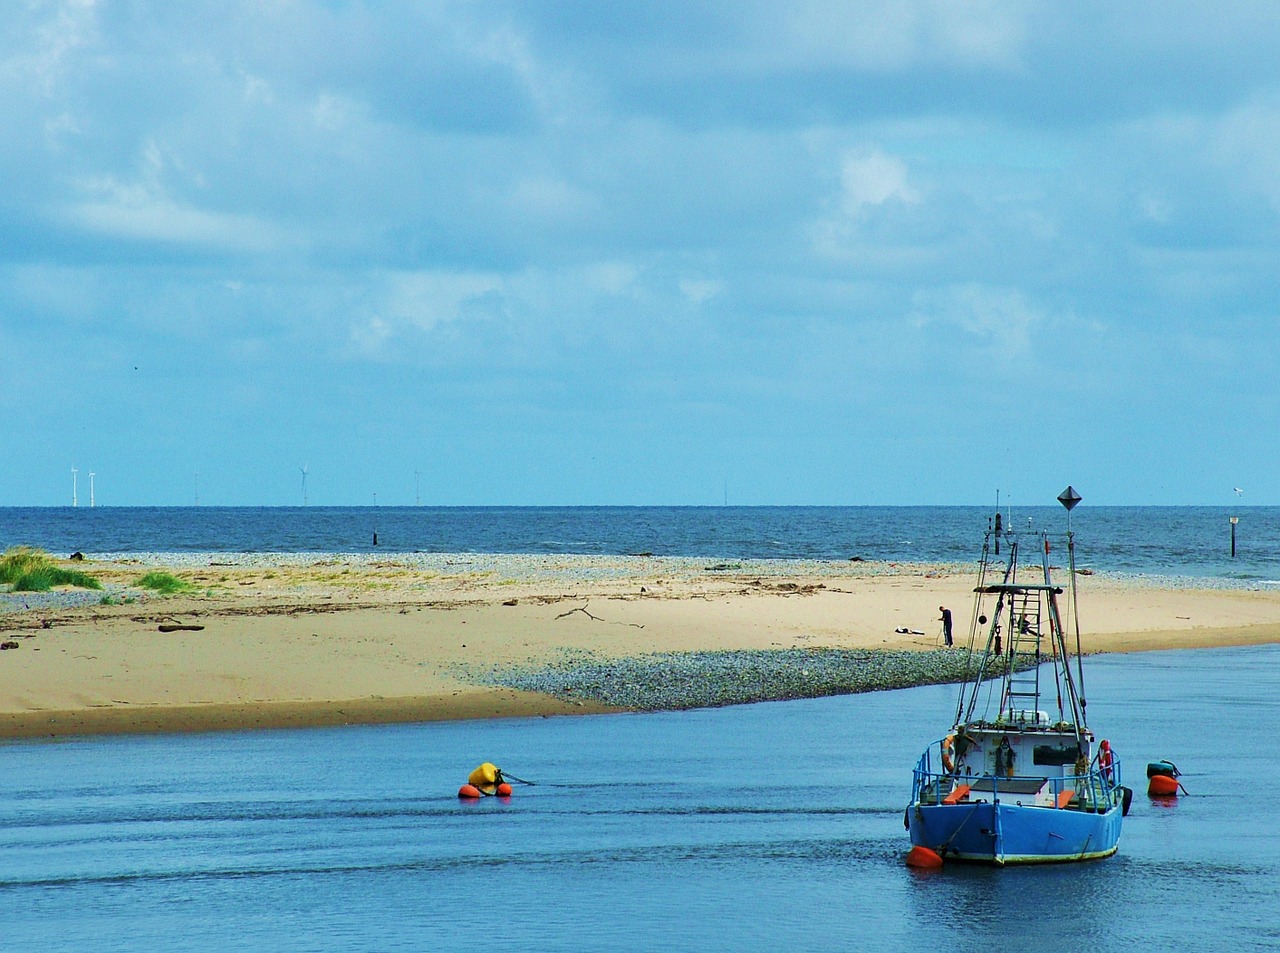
(297, 640)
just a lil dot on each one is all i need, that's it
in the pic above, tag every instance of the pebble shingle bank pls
(673, 681)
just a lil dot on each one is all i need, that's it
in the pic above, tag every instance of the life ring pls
(1105, 759)
(948, 746)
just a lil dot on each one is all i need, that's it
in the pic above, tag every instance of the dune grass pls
(33, 570)
(19, 560)
(164, 583)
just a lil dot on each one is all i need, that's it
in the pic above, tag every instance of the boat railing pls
(1096, 790)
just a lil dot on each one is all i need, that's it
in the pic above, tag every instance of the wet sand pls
(323, 640)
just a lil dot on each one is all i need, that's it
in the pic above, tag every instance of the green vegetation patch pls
(164, 583)
(20, 560)
(33, 570)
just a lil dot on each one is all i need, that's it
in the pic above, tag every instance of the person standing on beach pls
(946, 625)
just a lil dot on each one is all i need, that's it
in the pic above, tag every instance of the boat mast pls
(1069, 498)
(1062, 658)
(983, 565)
(1075, 692)
(969, 692)
(1022, 630)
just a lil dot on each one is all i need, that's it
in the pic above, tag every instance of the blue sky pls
(642, 253)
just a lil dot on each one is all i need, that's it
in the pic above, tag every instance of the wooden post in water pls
(1234, 521)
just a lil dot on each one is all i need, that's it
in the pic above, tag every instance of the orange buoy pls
(469, 792)
(1162, 785)
(504, 789)
(924, 858)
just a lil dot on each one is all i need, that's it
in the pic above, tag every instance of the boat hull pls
(1004, 833)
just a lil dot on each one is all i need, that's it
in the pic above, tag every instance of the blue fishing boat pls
(1019, 779)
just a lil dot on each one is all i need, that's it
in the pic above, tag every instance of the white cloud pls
(370, 335)
(258, 90)
(144, 209)
(1000, 320)
(527, 195)
(874, 191)
(140, 212)
(552, 92)
(699, 290)
(609, 277)
(1247, 141)
(551, 199)
(425, 299)
(72, 27)
(334, 113)
(60, 129)
(1156, 208)
(973, 32)
(874, 179)
(888, 35)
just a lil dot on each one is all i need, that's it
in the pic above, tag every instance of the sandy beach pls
(301, 640)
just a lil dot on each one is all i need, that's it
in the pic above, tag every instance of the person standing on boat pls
(946, 625)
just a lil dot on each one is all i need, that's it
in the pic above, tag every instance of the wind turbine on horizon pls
(304, 468)
(74, 500)
(91, 500)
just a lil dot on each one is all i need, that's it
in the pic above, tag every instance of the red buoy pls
(1162, 785)
(504, 789)
(469, 791)
(924, 858)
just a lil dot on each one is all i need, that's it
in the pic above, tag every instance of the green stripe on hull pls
(1023, 859)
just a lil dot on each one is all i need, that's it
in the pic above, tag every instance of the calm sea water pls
(772, 826)
(1192, 541)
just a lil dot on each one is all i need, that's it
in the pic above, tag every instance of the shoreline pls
(274, 715)
(321, 639)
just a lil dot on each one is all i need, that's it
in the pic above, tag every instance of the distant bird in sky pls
(1239, 491)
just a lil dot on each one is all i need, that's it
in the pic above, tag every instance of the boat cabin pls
(1021, 754)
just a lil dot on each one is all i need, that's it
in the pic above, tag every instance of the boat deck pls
(1008, 786)
(1039, 792)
